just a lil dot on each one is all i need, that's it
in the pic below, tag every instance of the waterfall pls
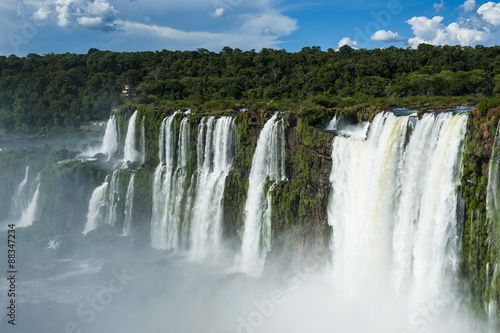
(95, 214)
(268, 168)
(18, 201)
(129, 206)
(493, 190)
(142, 154)
(393, 209)
(113, 198)
(215, 156)
(168, 188)
(110, 139)
(187, 206)
(104, 204)
(493, 215)
(28, 216)
(130, 152)
(332, 125)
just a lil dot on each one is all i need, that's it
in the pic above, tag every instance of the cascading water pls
(130, 152)
(493, 215)
(129, 206)
(168, 188)
(110, 139)
(268, 167)
(187, 208)
(106, 202)
(113, 197)
(493, 190)
(393, 209)
(28, 215)
(18, 201)
(142, 153)
(95, 215)
(216, 146)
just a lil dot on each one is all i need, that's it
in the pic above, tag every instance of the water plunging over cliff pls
(393, 209)
(268, 167)
(28, 215)
(110, 139)
(493, 215)
(215, 157)
(130, 149)
(168, 185)
(190, 217)
(129, 206)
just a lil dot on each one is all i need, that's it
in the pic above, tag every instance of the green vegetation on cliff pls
(479, 256)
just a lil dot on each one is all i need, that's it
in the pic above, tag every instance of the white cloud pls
(425, 28)
(256, 32)
(386, 36)
(475, 26)
(272, 20)
(438, 6)
(41, 14)
(219, 12)
(94, 15)
(102, 8)
(152, 24)
(490, 12)
(469, 5)
(347, 41)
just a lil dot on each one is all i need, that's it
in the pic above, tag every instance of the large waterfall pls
(111, 202)
(28, 215)
(25, 200)
(187, 204)
(277, 225)
(168, 187)
(18, 201)
(110, 139)
(393, 209)
(109, 144)
(129, 206)
(132, 149)
(268, 168)
(97, 202)
(493, 211)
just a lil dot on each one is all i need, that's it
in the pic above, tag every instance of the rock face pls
(478, 241)
(300, 222)
(299, 218)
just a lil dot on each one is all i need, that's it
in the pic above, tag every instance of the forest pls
(43, 94)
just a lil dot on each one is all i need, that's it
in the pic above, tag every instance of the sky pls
(75, 26)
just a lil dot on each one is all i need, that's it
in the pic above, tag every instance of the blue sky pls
(59, 26)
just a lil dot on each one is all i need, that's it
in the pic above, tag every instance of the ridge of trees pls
(42, 93)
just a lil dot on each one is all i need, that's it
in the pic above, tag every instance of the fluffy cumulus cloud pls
(386, 36)
(490, 12)
(476, 25)
(93, 15)
(469, 5)
(347, 41)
